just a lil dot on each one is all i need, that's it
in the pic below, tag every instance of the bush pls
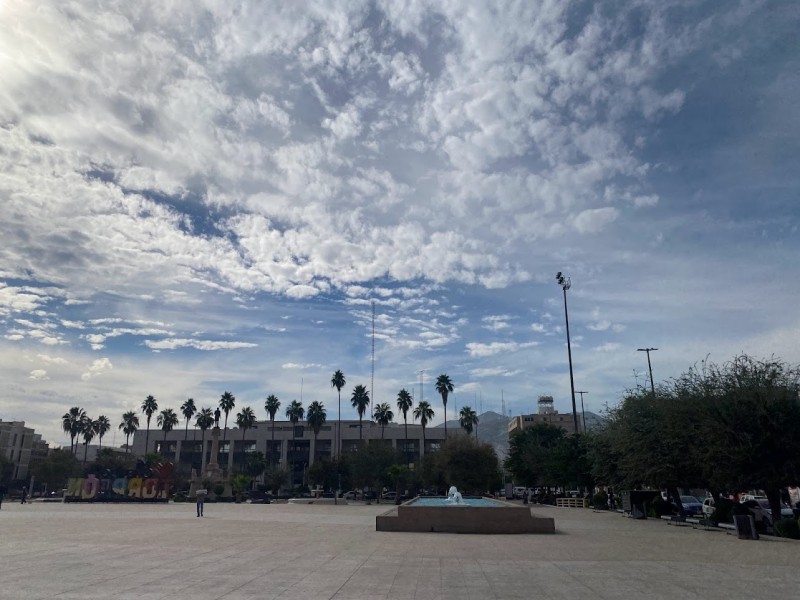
(661, 507)
(788, 528)
(179, 498)
(600, 501)
(218, 490)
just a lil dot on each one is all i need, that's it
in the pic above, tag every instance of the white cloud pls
(175, 343)
(479, 350)
(98, 367)
(38, 374)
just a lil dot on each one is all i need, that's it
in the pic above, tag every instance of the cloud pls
(300, 366)
(175, 343)
(595, 219)
(607, 347)
(479, 350)
(98, 367)
(38, 374)
(492, 372)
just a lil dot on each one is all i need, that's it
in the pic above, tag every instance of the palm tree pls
(71, 423)
(338, 382)
(88, 430)
(424, 413)
(469, 420)
(360, 401)
(204, 420)
(444, 386)
(129, 425)
(167, 419)
(245, 420)
(383, 415)
(226, 404)
(316, 417)
(404, 404)
(271, 405)
(149, 407)
(188, 409)
(295, 413)
(102, 426)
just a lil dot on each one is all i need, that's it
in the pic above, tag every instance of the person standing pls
(24, 495)
(3, 492)
(201, 500)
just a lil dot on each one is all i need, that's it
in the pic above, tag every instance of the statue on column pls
(216, 418)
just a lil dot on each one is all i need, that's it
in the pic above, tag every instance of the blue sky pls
(206, 196)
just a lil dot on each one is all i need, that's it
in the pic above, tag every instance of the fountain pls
(474, 515)
(454, 497)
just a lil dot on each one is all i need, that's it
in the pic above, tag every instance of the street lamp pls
(565, 284)
(649, 366)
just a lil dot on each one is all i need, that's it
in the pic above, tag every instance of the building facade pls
(22, 446)
(294, 446)
(548, 414)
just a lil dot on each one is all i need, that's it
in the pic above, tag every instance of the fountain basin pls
(484, 516)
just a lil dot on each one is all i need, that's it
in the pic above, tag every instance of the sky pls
(208, 196)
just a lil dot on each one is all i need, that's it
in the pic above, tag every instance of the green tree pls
(226, 404)
(102, 424)
(56, 469)
(370, 465)
(750, 424)
(444, 386)
(149, 407)
(129, 425)
(275, 477)
(316, 417)
(254, 464)
(295, 413)
(88, 431)
(423, 413)
(204, 421)
(167, 420)
(271, 405)
(383, 415)
(468, 419)
(338, 381)
(404, 404)
(529, 454)
(245, 420)
(469, 465)
(71, 424)
(360, 401)
(188, 409)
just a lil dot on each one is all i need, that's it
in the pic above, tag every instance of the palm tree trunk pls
(339, 432)
(382, 431)
(85, 451)
(405, 442)
(203, 453)
(244, 430)
(186, 437)
(99, 444)
(360, 428)
(147, 436)
(127, 443)
(445, 419)
(423, 442)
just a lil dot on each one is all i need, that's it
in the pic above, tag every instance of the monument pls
(212, 475)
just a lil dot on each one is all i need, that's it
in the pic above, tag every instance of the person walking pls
(24, 495)
(201, 500)
(3, 492)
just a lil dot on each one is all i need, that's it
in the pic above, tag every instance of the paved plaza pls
(284, 551)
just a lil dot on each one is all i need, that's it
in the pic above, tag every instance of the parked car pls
(692, 506)
(352, 495)
(389, 496)
(759, 508)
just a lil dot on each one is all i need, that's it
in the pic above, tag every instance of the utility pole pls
(649, 366)
(583, 412)
(565, 283)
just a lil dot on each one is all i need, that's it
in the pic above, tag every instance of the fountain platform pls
(484, 516)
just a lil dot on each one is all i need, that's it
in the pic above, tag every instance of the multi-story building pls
(22, 446)
(288, 445)
(548, 414)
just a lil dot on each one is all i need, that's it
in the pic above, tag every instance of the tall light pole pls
(583, 412)
(565, 284)
(649, 366)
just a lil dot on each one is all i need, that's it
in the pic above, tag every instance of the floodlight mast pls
(565, 283)
(649, 366)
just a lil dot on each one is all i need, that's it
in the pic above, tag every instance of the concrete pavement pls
(237, 552)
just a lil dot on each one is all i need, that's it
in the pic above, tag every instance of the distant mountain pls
(492, 429)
